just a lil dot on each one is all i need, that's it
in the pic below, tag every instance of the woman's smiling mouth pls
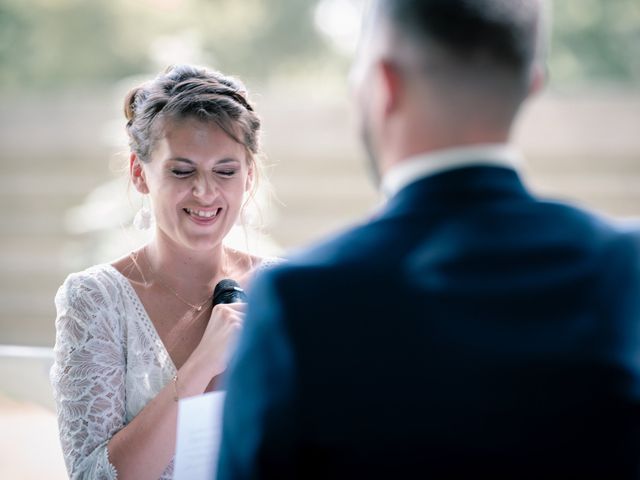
(202, 216)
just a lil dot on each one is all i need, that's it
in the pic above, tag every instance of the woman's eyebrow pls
(227, 160)
(182, 159)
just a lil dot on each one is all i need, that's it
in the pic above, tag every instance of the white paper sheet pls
(199, 434)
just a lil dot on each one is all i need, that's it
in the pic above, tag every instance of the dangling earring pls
(142, 220)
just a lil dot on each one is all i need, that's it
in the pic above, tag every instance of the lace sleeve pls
(88, 375)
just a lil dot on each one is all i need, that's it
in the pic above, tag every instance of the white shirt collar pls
(420, 166)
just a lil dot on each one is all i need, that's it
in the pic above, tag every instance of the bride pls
(136, 335)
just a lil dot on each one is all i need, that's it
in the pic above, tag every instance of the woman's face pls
(196, 181)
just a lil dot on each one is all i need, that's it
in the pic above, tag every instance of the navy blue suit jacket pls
(469, 329)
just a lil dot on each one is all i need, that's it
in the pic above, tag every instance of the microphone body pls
(228, 291)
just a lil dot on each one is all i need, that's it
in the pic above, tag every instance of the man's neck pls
(420, 133)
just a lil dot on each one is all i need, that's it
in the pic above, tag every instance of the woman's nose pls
(203, 188)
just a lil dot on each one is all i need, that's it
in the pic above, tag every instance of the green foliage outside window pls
(65, 43)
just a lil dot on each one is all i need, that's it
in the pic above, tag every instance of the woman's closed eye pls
(226, 173)
(181, 173)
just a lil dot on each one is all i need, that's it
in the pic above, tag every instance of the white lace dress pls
(109, 363)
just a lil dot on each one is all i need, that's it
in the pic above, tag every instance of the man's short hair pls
(499, 33)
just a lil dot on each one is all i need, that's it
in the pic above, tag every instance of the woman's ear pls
(248, 185)
(137, 174)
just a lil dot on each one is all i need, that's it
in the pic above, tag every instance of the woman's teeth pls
(202, 213)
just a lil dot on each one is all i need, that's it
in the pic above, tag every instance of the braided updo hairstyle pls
(185, 91)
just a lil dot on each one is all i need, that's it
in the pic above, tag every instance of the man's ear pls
(392, 86)
(538, 79)
(137, 174)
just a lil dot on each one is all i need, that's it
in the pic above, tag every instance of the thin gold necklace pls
(197, 307)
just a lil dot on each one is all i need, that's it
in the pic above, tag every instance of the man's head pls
(434, 74)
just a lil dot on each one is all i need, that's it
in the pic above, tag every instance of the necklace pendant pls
(199, 308)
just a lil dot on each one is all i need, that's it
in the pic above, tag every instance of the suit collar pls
(420, 166)
(458, 188)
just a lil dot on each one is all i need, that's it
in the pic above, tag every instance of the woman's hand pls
(219, 337)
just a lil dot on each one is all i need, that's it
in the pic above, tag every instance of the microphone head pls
(228, 291)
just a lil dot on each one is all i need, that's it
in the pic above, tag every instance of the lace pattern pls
(109, 363)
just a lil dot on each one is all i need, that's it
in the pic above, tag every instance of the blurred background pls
(65, 66)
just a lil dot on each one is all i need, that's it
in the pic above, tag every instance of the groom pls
(470, 330)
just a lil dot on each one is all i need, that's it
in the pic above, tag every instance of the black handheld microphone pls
(228, 291)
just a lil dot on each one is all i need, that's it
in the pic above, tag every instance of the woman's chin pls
(195, 237)
(204, 241)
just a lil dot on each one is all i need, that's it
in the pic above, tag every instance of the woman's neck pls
(190, 269)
